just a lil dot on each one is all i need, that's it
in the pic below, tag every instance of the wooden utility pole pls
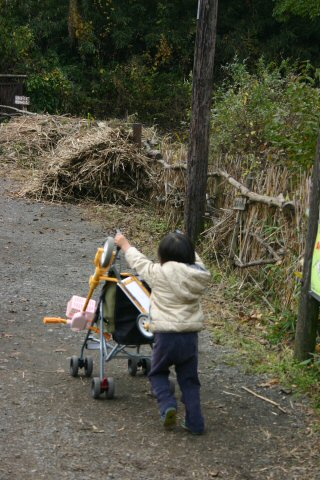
(307, 323)
(200, 121)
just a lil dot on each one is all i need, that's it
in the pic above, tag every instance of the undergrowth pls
(262, 342)
(274, 112)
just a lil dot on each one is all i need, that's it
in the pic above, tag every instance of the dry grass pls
(273, 227)
(25, 140)
(77, 160)
(100, 163)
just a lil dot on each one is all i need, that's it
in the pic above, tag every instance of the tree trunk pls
(200, 120)
(306, 331)
(74, 20)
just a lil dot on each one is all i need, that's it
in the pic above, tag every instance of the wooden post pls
(200, 121)
(137, 133)
(307, 323)
(218, 191)
(241, 207)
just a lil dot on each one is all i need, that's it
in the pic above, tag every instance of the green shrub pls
(136, 88)
(274, 112)
(16, 48)
(50, 91)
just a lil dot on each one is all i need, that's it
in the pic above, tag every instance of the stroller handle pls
(54, 320)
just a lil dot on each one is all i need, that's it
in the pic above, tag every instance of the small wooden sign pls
(20, 100)
(240, 203)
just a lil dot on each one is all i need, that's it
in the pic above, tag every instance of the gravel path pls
(51, 427)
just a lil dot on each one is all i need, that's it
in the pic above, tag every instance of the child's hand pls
(122, 242)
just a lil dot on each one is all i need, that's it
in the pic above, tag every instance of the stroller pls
(118, 326)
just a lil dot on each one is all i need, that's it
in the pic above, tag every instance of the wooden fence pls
(10, 87)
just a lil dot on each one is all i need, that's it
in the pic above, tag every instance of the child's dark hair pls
(176, 247)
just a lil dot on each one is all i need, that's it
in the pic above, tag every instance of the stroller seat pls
(120, 316)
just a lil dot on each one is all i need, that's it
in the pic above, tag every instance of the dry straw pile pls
(27, 139)
(73, 158)
(101, 163)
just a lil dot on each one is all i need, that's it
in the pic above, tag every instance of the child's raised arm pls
(136, 259)
(122, 242)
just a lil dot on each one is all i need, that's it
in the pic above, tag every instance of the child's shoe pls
(188, 429)
(169, 418)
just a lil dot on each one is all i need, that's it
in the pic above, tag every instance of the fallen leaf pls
(270, 383)
(96, 430)
(286, 391)
(214, 473)
(255, 315)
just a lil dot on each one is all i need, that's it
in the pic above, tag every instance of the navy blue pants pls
(180, 350)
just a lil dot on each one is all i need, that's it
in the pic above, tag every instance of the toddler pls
(177, 282)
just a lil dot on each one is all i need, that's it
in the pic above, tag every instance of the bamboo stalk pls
(264, 398)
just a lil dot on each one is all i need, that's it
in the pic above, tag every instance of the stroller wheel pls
(88, 366)
(132, 367)
(146, 365)
(110, 388)
(96, 387)
(107, 252)
(143, 324)
(74, 366)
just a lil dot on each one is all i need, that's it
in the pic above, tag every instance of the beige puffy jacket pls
(176, 290)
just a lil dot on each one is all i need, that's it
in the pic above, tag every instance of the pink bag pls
(76, 304)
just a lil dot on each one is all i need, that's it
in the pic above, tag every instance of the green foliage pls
(302, 377)
(282, 327)
(303, 8)
(135, 28)
(137, 88)
(250, 29)
(135, 55)
(17, 46)
(49, 91)
(256, 355)
(274, 112)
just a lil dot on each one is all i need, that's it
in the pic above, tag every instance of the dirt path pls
(51, 427)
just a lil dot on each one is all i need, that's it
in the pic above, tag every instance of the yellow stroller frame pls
(120, 324)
